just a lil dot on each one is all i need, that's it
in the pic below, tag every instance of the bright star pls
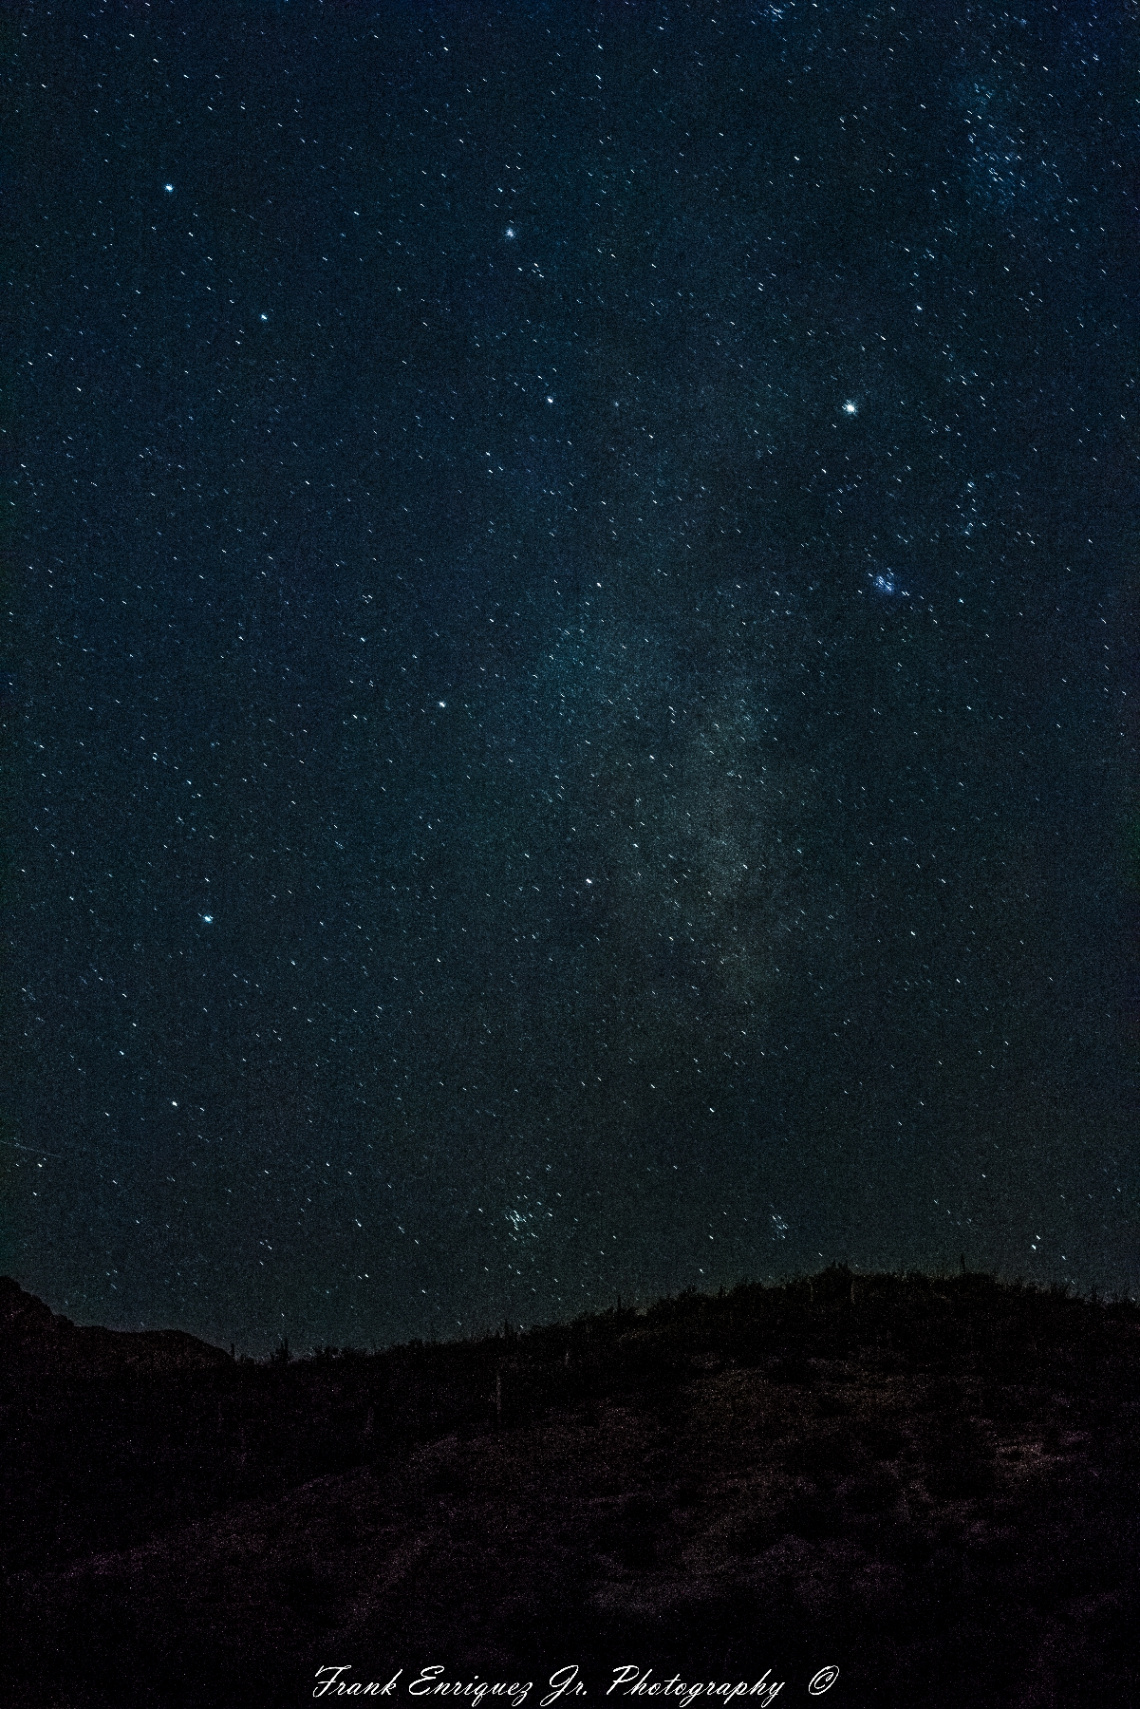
(207, 919)
(169, 188)
(850, 408)
(510, 231)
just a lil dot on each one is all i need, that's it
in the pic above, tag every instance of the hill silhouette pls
(929, 1483)
(33, 1339)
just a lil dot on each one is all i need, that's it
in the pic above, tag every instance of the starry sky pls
(568, 641)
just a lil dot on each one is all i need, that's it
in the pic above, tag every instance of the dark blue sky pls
(569, 637)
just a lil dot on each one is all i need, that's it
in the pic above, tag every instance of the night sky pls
(568, 648)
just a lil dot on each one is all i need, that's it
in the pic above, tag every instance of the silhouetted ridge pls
(929, 1482)
(33, 1336)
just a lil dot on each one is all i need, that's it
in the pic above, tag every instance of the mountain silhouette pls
(34, 1338)
(930, 1484)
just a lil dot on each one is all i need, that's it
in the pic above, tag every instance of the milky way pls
(568, 657)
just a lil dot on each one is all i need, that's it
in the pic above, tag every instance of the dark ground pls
(932, 1484)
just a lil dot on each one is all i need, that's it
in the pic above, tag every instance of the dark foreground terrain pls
(933, 1485)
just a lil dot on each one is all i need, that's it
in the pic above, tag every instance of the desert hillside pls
(930, 1484)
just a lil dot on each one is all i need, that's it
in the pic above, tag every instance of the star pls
(850, 407)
